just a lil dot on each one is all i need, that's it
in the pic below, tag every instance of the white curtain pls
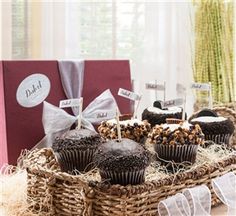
(166, 51)
(154, 35)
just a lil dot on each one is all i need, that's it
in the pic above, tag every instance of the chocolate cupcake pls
(132, 129)
(122, 162)
(216, 128)
(157, 115)
(177, 143)
(75, 150)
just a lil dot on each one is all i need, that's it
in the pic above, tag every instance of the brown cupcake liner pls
(123, 178)
(176, 153)
(72, 161)
(219, 138)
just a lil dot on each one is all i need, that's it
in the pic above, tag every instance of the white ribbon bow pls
(225, 189)
(176, 205)
(57, 121)
(199, 199)
(192, 202)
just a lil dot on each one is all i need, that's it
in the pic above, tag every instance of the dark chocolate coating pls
(82, 139)
(155, 118)
(158, 104)
(126, 155)
(207, 112)
(222, 127)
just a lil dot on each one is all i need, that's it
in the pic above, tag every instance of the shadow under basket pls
(58, 193)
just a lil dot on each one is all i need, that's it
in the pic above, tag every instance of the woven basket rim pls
(195, 173)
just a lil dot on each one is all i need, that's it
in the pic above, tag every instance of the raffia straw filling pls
(13, 194)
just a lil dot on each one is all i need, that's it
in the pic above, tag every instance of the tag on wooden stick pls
(132, 96)
(128, 94)
(80, 113)
(184, 107)
(136, 108)
(204, 87)
(69, 103)
(201, 86)
(157, 87)
(171, 103)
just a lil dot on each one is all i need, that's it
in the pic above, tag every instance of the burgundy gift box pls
(21, 127)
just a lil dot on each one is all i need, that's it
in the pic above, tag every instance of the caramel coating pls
(180, 136)
(135, 132)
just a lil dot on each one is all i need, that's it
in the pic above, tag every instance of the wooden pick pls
(118, 125)
(80, 114)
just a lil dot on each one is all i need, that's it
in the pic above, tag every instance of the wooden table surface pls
(220, 210)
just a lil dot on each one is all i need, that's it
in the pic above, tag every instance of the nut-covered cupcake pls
(156, 115)
(75, 150)
(176, 142)
(216, 128)
(132, 129)
(122, 162)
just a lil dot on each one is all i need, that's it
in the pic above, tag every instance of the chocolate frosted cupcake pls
(132, 129)
(216, 128)
(122, 162)
(177, 143)
(75, 149)
(157, 115)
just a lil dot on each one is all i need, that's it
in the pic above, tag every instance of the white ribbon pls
(56, 120)
(72, 78)
(225, 189)
(199, 199)
(192, 202)
(176, 205)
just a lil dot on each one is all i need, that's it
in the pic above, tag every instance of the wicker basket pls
(231, 105)
(58, 193)
(225, 112)
(199, 105)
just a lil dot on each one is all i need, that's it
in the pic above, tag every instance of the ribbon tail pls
(55, 119)
(72, 78)
(86, 124)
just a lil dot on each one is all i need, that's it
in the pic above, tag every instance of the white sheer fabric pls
(154, 35)
(175, 205)
(225, 189)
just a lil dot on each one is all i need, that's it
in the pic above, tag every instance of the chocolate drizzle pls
(155, 118)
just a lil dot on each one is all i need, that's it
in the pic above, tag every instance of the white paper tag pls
(70, 103)
(128, 94)
(104, 115)
(201, 86)
(33, 90)
(171, 103)
(157, 87)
